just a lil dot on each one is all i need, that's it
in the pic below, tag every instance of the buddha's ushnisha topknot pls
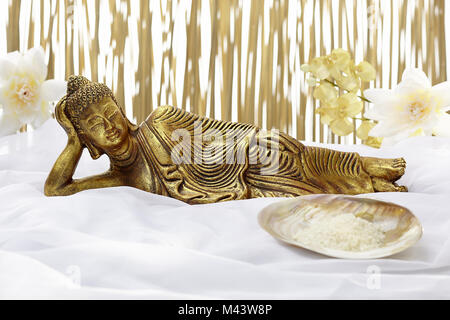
(75, 83)
(81, 93)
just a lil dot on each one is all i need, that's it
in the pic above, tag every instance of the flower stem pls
(361, 96)
(365, 99)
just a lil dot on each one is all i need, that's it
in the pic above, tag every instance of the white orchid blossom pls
(413, 108)
(25, 95)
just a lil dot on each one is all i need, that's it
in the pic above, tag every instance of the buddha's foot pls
(387, 169)
(382, 185)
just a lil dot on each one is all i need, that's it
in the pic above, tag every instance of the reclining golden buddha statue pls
(200, 160)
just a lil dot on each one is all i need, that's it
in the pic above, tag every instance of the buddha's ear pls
(131, 126)
(93, 150)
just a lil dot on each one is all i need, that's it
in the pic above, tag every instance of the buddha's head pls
(99, 121)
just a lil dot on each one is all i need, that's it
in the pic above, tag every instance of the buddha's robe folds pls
(200, 160)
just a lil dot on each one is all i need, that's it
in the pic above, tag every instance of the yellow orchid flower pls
(327, 114)
(326, 93)
(364, 129)
(350, 83)
(341, 59)
(340, 82)
(319, 67)
(365, 71)
(373, 142)
(348, 106)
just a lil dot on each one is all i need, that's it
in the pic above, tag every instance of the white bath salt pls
(342, 232)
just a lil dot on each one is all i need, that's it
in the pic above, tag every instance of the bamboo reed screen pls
(234, 60)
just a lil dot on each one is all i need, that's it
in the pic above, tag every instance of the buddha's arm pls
(60, 181)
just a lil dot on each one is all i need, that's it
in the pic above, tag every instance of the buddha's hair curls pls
(80, 94)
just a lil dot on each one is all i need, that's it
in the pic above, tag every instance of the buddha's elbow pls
(51, 191)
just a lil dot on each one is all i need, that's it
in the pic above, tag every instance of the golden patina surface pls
(200, 160)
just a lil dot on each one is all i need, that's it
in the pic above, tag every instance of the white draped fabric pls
(124, 243)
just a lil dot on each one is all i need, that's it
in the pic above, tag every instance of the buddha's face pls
(104, 125)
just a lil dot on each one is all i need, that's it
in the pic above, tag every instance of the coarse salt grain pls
(342, 232)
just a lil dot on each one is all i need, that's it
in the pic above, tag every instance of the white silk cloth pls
(122, 243)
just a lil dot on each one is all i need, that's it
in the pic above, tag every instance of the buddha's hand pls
(65, 122)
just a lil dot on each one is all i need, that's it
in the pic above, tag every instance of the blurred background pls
(235, 60)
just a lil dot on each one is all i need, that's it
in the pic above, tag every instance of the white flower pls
(25, 95)
(413, 108)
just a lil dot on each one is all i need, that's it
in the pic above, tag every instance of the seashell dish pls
(345, 227)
